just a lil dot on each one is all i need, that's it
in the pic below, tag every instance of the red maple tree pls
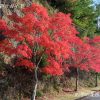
(35, 34)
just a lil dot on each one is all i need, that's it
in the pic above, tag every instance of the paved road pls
(95, 96)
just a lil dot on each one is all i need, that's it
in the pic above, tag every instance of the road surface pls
(95, 96)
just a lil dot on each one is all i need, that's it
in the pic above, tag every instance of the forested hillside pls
(48, 46)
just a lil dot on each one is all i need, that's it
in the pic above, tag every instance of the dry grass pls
(69, 95)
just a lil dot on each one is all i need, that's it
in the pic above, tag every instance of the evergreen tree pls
(82, 12)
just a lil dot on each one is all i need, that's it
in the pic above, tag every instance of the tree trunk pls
(36, 79)
(36, 84)
(96, 80)
(76, 84)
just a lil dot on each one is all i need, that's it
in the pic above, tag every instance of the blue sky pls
(96, 1)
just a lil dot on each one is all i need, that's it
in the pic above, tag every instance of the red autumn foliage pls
(95, 53)
(85, 54)
(3, 25)
(25, 62)
(36, 33)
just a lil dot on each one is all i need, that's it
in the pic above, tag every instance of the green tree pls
(97, 15)
(82, 12)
